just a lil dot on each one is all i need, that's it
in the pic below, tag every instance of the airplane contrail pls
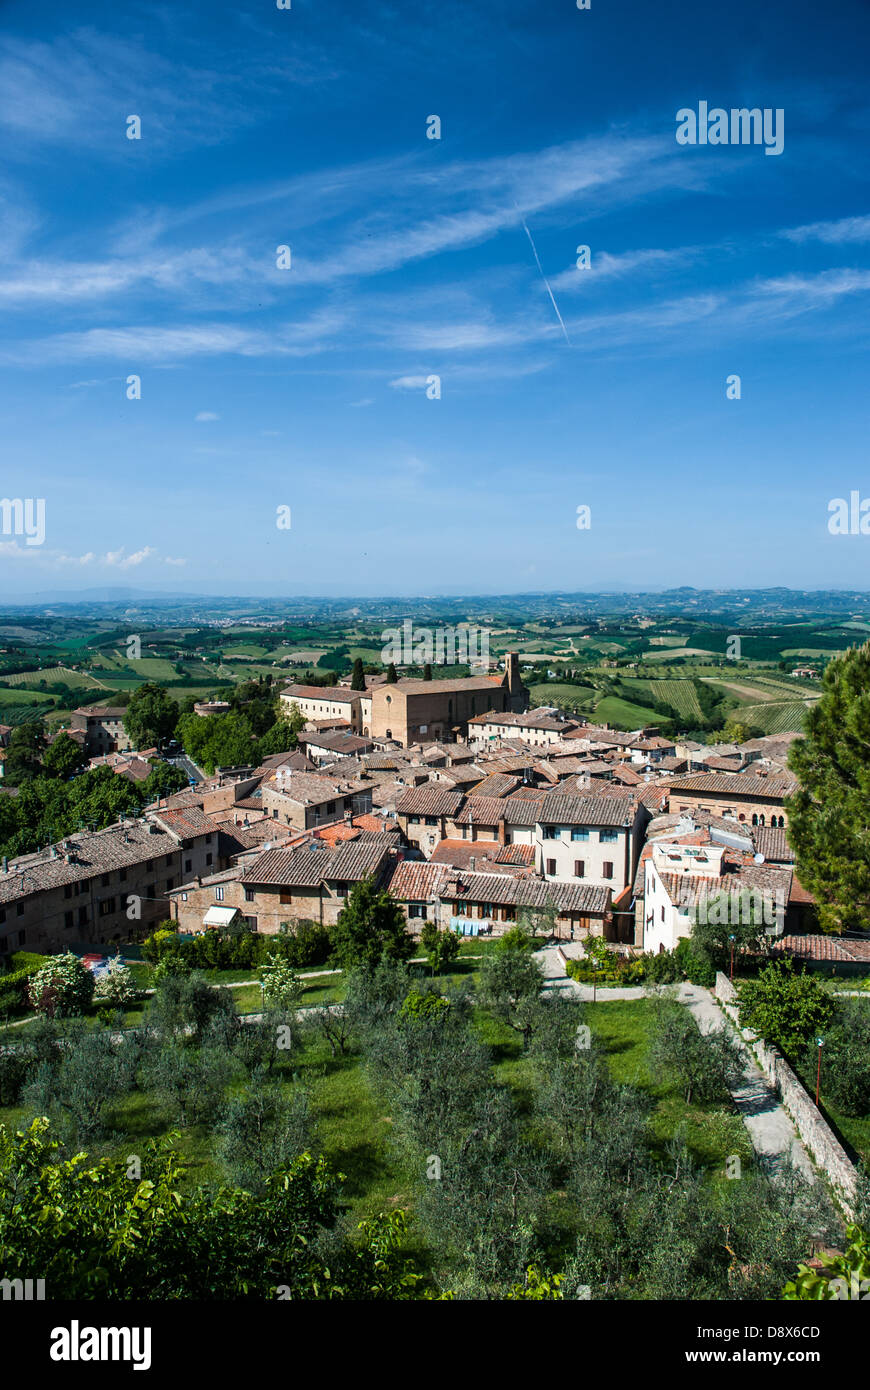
(545, 280)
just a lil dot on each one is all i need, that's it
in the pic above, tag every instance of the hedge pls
(307, 944)
(13, 989)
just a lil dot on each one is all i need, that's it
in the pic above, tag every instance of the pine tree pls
(427, 672)
(392, 678)
(358, 680)
(828, 814)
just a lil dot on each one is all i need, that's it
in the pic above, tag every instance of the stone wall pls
(813, 1128)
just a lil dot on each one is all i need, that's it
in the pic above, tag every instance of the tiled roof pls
(771, 842)
(743, 784)
(471, 683)
(522, 809)
(308, 789)
(95, 852)
(836, 949)
(186, 822)
(482, 810)
(584, 810)
(309, 866)
(333, 693)
(429, 800)
(413, 881)
(496, 784)
(516, 854)
(503, 890)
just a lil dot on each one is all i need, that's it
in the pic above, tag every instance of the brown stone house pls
(310, 882)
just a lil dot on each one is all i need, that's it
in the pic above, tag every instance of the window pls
(413, 820)
(417, 910)
(169, 858)
(19, 909)
(188, 865)
(83, 916)
(208, 858)
(170, 884)
(431, 820)
(219, 895)
(149, 865)
(285, 898)
(607, 869)
(68, 919)
(551, 832)
(551, 866)
(249, 895)
(2, 914)
(579, 833)
(579, 868)
(107, 907)
(607, 836)
(663, 911)
(67, 892)
(105, 880)
(123, 875)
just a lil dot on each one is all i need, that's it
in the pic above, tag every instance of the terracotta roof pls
(413, 881)
(496, 784)
(429, 800)
(334, 693)
(503, 890)
(771, 842)
(482, 810)
(309, 866)
(773, 788)
(837, 949)
(584, 810)
(95, 852)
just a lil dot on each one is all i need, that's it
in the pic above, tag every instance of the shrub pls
(282, 987)
(62, 986)
(13, 991)
(302, 943)
(694, 963)
(116, 986)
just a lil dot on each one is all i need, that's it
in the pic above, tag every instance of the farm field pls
(624, 714)
(551, 692)
(681, 695)
(773, 717)
(53, 674)
(671, 652)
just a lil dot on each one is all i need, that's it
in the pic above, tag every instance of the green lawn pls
(623, 714)
(712, 1131)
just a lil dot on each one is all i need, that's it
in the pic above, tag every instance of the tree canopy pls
(827, 815)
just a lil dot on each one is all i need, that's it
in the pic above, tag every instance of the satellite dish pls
(758, 858)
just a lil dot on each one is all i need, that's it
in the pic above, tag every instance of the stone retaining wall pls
(811, 1125)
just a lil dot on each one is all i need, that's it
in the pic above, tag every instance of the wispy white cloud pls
(205, 415)
(409, 383)
(843, 231)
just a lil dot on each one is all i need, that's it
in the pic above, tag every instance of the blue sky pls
(306, 388)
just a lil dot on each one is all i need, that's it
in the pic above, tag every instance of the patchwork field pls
(52, 675)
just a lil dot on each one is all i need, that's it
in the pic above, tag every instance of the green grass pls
(17, 695)
(624, 714)
(712, 1132)
(53, 675)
